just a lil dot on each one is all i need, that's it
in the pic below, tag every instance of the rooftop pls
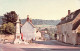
(69, 17)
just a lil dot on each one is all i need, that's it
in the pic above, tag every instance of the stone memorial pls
(17, 35)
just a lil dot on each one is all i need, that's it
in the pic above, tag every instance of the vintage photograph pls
(39, 25)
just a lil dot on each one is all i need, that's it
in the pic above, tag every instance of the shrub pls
(7, 28)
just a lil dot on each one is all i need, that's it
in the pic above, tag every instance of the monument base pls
(18, 40)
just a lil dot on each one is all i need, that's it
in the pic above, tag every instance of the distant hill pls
(37, 21)
(42, 22)
(1, 20)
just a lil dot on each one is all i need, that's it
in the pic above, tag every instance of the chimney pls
(27, 17)
(68, 12)
(30, 20)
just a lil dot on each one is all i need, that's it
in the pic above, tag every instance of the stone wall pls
(6, 38)
(65, 33)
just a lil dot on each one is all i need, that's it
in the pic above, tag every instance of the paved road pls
(39, 46)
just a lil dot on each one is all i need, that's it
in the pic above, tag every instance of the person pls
(22, 36)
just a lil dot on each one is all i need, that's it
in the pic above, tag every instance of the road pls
(39, 46)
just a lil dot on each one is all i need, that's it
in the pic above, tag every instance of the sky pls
(39, 9)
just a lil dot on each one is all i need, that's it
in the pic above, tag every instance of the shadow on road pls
(54, 42)
(48, 49)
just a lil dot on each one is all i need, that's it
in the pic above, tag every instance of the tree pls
(9, 22)
(2, 28)
(10, 17)
(7, 28)
(10, 29)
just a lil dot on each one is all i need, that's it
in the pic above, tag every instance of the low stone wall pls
(6, 38)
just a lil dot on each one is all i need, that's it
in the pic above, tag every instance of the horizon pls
(39, 9)
(41, 19)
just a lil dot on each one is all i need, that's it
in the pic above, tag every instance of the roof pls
(28, 22)
(70, 17)
(76, 24)
(31, 24)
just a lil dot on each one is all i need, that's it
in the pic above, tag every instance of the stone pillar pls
(17, 35)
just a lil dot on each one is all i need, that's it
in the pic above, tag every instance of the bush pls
(7, 28)
(2, 28)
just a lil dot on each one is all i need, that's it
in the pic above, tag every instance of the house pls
(28, 30)
(38, 35)
(68, 30)
(45, 35)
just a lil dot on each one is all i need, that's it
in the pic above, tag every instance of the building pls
(38, 35)
(68, 30)
(28, 30)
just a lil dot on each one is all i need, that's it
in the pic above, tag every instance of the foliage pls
(7, 28)
(9, 22)
(10, 17)
(2, 28)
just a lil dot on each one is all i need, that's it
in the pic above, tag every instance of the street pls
(51, 45)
